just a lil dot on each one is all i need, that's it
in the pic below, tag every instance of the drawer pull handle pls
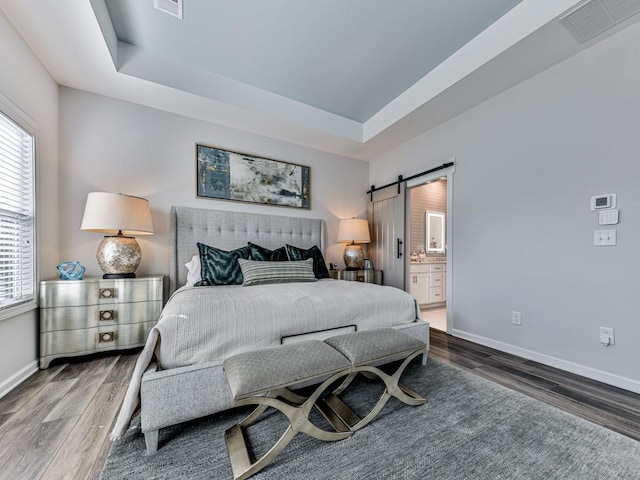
(107, 314)
(105, 337)
(107, 292)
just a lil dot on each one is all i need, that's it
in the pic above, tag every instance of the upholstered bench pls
(263, 378)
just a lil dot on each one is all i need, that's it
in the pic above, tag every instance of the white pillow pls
(194, 273)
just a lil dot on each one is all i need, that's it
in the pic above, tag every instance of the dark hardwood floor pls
(56, 424)
(611, 407)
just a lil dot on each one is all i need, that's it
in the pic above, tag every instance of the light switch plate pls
(604, 238)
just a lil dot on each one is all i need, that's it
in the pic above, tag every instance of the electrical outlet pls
(607, 337)
(516, 318)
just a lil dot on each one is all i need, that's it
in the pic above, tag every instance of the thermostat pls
(603, 201)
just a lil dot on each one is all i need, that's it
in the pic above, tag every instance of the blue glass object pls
(71, 271)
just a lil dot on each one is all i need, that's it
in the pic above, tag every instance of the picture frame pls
(227, 175)
(368, 264)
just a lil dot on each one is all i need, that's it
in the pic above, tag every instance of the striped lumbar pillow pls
(260, 273)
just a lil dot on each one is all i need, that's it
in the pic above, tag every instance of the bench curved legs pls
(250, 373)
(298, 416)
(393, 389)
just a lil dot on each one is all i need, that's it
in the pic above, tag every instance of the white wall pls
(115, 146)
(26, 84)
(527, 163)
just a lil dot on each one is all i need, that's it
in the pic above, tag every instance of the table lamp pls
(120, 217)
(353, 231)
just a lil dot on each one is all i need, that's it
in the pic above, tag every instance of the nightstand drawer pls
(366, 276)
(62, 293)
(130, 290)
(88, 340)
(72, 318)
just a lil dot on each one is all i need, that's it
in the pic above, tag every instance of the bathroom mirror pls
(435, 240)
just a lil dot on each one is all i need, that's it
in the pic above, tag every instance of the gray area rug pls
(470, 428)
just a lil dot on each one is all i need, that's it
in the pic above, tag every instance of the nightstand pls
(367, 276)
(78, 317)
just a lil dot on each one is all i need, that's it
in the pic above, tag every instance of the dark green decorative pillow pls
(220, 267)
(261, 254)
(319, 267)
(261, 273)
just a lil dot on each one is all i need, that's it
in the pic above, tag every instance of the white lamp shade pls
(111, 213)
(353, 230)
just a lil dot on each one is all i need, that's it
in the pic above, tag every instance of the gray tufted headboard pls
(230, 230)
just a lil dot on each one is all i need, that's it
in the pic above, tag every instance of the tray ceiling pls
(354, 78)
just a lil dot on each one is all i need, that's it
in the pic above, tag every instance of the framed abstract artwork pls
(226, 175)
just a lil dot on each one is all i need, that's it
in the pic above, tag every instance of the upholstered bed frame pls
(170, 397)
(229, 230)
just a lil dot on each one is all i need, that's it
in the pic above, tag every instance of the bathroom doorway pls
(429, 238)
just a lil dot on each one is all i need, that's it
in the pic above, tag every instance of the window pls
(17, 222)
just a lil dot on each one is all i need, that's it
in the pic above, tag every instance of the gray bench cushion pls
(369, 346)
(257, 372)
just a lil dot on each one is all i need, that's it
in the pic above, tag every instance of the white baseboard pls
(17, 378)
(592, 373)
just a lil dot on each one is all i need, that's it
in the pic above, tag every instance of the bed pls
(179, 377)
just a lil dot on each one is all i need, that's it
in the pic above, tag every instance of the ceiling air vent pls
(596, 16)
(621, 9)
(172, 7)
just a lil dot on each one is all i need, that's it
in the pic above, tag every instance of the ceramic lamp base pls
(353, 257)
(118, 256)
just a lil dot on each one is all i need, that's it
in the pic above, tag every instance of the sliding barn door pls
(387, 220)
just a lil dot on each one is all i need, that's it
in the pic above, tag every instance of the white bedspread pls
(201, 324)
(204, 324)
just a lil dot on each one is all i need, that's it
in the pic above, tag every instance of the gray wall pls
(115, 146)
(527, 163)
(28, 86)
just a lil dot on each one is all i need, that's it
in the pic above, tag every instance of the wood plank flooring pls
(55, 425)
(611, 407)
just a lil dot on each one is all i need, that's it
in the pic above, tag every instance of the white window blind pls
(17, 231)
